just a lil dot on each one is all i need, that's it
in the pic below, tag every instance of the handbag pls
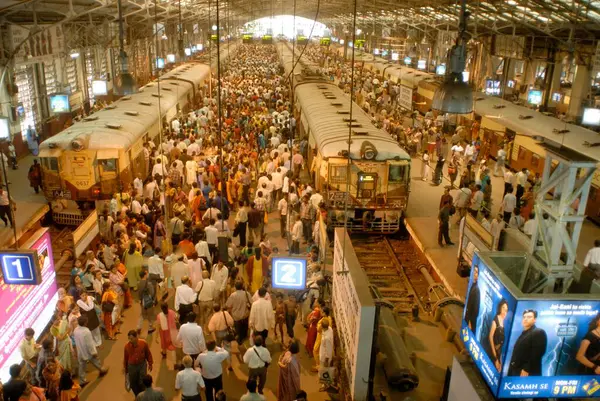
(230, 336)
(266, 363)
(108, 307)
(326, 375)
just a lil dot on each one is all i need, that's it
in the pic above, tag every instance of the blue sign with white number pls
(288, 273)
(20, 268)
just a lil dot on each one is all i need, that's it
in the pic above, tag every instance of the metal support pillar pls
(562, 199)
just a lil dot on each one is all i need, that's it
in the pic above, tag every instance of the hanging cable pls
(219, 117)
(349, 165)
(308, 40)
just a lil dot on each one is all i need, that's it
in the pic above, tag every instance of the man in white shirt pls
(86, 350)
(500, 158)
(326, 349)
(530, 225)
(156, 270)
(203, 250)
(184, 299)
(509, 181)
(476, 201)
(282, 206)
(256, 358)
(592, 259)
(521, 179)
(509, 203)
(277, 180)
(463, 199)
(296, 233)
(159, 169)
(220, 274)
(211, 362)
(175, 125)
(191, 337)
(136, 206)
(179, 269)
(138, 184)
(315, 199)
(262, 317)
(189, 381)
(516, 221)
(205, 289)
(212, 239)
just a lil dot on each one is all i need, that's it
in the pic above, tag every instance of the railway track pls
(396, 268)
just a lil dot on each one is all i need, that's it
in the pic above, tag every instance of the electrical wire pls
(312, 28)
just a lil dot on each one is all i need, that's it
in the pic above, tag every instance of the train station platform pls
(31, 207)
(422, 223)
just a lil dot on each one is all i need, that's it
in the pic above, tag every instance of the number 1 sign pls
(20, 267)
(288, 273)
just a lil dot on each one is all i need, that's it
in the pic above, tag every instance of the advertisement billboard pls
(60, 103)
(553, 350)
(489, 311)
(26, 306)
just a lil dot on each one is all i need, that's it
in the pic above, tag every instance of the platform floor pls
(422, 212)
(30, 206)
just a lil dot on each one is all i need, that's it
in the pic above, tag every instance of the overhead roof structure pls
(564, 20)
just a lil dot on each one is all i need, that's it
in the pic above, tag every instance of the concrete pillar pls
(555, 82)
(579, 90)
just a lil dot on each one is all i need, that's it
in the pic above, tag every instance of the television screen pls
(534, 97)
(59, 104)
(510, 83)
(170, 58)
(99, 87)
(160, 63)
(199, 47)
(422, 64)
(465, 76)
(20, 109)
(385, 53)
(407, 60)
(395, 56)
(591, 116)
(440, 69)
(187, 51)
(4, 127)
(376, 52)
(288, 273)
(492, 87)
(556, 97)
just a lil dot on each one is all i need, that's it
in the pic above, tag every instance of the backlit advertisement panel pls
(24, 306)
(554, 350)
(489, 311)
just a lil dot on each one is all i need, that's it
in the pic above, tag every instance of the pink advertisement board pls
(23, 306)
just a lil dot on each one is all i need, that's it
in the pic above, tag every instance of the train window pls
(397, 173)
(50, 163)
(535, 160)
(337, 174)
(522, 152)
(108, 165)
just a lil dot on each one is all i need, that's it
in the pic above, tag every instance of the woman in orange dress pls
(527, 202)
(311, 333)
(128, 298)
(109, 302)
(67, 388)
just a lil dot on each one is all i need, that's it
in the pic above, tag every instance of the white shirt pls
(188, 381)
(316, 200)
(463, 197)
(509, 177)
(277, 180)
(212, 235)
(202, 250)
(178, 270)
(155, 266)
(139, 186)
(212, 362)
(257, 361)
(326, 349)
(184, 295)
(282, 206)
(521, 179)
(477, 200)
(501, 155)
(261, 315)
(84, 343)
(530, 226)
(297, 231)
(192, 338)
(206, 289)
(158, 169)
(593, 256)
(219, 276)
(136, 207)
(509, 203)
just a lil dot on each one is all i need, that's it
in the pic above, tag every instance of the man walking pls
(147, 297)
(220, 274)
(86, 350)
(206, 290)
(262, 317)
(257, 358)
(189, 381)
(191, 337)
(137, 361)
(239, 305)
(150, 393)
(212, 368)
(184, 299)
(444, 224)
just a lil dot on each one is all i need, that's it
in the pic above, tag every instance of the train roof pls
(304, 69)
(329, 129)
(544, 128)
(120, 124)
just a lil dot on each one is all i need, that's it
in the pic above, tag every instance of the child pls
(280, 318)
(291, 311)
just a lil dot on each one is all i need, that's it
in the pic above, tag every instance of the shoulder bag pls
(230, 336)
(266, 363)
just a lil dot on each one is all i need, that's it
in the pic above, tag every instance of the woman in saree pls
(61, 331)
(325, 312)
(313, 320)
(109, 302)
(167, 330)
(289, 374)
(133, 261)
(64, 301)
(52, 373)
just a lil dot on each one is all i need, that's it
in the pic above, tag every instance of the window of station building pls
(24, 80)
(50, 163)
(90, 62)
(71, 74)
(50, 77)
(108, 165)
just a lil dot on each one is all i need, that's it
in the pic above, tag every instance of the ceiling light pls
(74, 55)
(214, 27)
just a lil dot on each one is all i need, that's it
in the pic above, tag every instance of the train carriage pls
(102, 154)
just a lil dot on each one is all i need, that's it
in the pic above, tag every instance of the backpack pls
(147, 300)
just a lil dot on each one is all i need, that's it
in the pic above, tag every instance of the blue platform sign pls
(288, 273)
(20, 267)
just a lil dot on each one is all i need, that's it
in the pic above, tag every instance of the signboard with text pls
(20, 267)
(405, 97)
(531, 348)
(288, 273)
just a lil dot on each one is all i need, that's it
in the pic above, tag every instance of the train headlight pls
(368, 150)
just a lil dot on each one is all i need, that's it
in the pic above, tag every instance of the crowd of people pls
(187, 243)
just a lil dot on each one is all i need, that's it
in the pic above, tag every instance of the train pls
(103, 153)
(374, 197)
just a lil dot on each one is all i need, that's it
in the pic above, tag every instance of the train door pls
(108, 171)
(137, 160)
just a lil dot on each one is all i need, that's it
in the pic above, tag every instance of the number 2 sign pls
(20, 267)
(288, 273)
